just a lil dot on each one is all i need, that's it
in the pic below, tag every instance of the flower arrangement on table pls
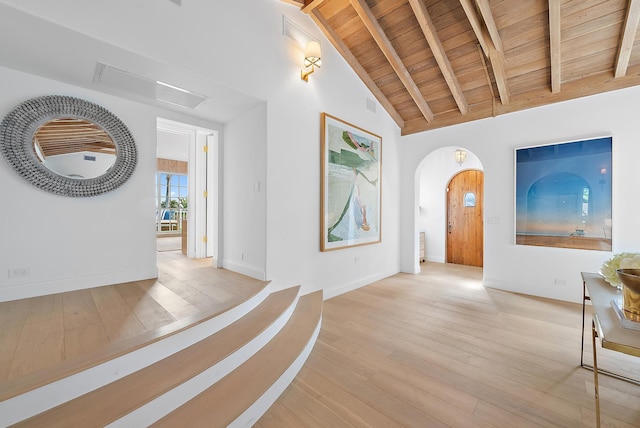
(619, 261)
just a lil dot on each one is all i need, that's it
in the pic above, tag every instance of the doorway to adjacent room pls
(187, 188)
(451, 222)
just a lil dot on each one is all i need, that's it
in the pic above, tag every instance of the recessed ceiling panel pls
(145, 87)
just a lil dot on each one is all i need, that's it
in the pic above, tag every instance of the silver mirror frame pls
(16, 141)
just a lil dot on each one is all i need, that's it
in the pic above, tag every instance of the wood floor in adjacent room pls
(439, 350)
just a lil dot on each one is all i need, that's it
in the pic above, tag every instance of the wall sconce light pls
(461, 156)
(312, 58)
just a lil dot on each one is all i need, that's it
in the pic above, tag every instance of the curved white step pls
(138, 364)
(246, 393)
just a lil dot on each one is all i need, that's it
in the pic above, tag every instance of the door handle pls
(449, 227)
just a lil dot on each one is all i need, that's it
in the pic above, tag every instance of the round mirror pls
(68, 146)
(74, 148)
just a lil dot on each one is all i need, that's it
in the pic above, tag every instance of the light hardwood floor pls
(41, 333)
(439, 350)
(428, 350)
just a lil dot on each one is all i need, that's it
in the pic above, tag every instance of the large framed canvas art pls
(563, 195)
(351, 168)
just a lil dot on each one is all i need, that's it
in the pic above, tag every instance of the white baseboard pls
(61, 285)
(247, 270)
(410, 268)
(333, 292)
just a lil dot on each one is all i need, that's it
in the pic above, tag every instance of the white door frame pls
(214, 181)
(203, 177)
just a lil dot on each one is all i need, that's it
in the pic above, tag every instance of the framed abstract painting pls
(564, 195)
(351, 167)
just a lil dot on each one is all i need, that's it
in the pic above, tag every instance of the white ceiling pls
(37, 46)
(172, 145)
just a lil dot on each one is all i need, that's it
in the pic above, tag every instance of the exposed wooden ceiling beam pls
(496, 58)
(486, 73)
(555, 43)
(628, 38)
(590, 85)
(490, 23)
(470, 10)
(69, 135)
(430, 33)
(342, 48)
(499, 71)
(309, 5)
(496, 52)
(565, 54)
(370, 21)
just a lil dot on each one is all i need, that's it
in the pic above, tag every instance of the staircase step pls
(220, 316)
(211, 358)
(229, 401)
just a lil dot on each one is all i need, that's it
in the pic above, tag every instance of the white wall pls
(528, 269)
(172, 145)
(244, 195)
(293, 174)
(239, 44)
(74, 243)
(292, 147)
(248, 53)
(70, 243)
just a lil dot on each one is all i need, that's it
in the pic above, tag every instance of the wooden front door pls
(464, 218)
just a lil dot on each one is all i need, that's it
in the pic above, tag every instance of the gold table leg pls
(594, 334)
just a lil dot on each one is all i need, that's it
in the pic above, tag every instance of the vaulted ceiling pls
(437, 63)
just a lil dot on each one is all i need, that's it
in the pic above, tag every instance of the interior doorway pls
(187, 187)
(465, 200)
(432, 177)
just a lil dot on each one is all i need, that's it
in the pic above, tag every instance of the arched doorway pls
(465, 229)
(432, 176)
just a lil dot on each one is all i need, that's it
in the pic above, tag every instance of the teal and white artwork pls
(351, 196)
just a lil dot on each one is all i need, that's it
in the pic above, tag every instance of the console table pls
(606, 326)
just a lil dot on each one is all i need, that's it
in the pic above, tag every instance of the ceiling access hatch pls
(148, 88)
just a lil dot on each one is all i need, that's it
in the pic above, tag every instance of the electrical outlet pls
(19, 272)
(559, 281)
(493, 220)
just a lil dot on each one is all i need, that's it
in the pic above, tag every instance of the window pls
(469, 199)
(171, 201)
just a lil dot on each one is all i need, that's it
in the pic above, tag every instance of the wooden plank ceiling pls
(438, 63)
(70, 135)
